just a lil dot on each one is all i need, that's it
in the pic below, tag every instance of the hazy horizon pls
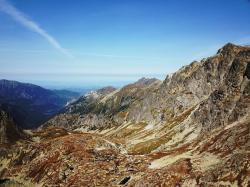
(80, 81)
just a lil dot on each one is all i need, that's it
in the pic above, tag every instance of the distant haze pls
(79, 82)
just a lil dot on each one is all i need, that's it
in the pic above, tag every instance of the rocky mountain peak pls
(145, 81)
(106, 90)
(231, 48)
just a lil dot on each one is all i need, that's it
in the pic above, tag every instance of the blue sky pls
(97, 42)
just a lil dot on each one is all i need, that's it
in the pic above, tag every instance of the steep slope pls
(67, 95)
(9, 132)
(30, 105)
(99, 110)
(59, 158)
(56, 157)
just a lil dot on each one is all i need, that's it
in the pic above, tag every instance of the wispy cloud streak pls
(22, 19)
(116, 56)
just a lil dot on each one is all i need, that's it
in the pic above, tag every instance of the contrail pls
(21, 18)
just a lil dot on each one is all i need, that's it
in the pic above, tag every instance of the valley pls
(31, 105)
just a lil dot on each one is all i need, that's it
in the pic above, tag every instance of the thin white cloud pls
(21, 18)
(116, 56)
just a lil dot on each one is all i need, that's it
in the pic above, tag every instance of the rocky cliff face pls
(192, 129)
(9, 132)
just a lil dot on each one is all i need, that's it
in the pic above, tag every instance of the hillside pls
(192, 129)
(31, 105)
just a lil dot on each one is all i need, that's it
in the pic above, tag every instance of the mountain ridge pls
(29, 104)
(184, 81)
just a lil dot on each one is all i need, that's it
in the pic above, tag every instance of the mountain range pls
(192, 129)
(31, 105)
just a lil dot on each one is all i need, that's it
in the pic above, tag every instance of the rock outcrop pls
(9, 132)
